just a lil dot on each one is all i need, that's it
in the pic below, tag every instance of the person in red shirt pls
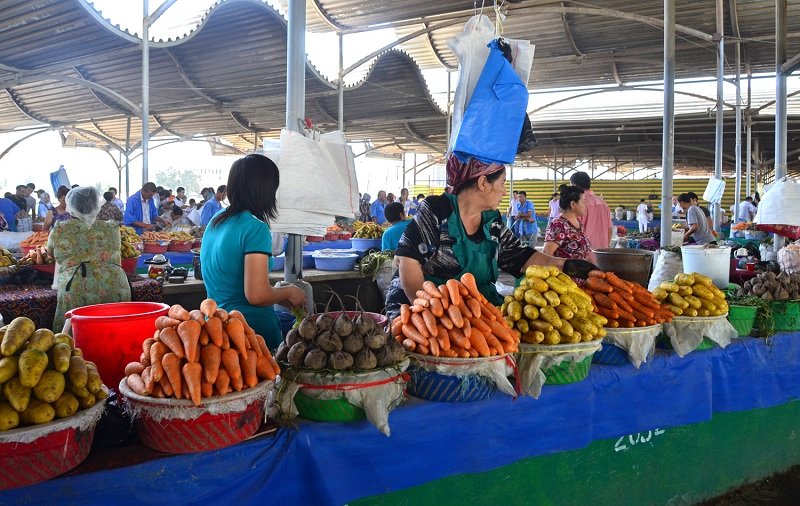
(596, 221)
(565, 237)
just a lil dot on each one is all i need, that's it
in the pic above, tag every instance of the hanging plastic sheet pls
(780, 204)
(493, 119)
(59, 178)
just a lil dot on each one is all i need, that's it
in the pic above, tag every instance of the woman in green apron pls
(87, 253)
(462, 231)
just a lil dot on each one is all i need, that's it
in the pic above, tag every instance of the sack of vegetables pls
(207, 373)
(51, 402)
(341, 366)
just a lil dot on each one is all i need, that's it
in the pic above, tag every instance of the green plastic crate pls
(568, 371)
(742, 318)
(334, 410)
(786, 314)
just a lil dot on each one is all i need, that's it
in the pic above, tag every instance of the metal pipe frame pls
(668, 128)
(737, 197)
(716, 208)
(341, 81)
(781, 29)
(145, 88)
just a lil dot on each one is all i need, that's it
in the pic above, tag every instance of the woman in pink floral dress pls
(565, 237)
(87, 253)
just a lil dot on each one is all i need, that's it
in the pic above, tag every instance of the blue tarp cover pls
(330, 463)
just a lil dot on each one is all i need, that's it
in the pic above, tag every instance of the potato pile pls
(691, 295)
(338, 342)
(43, 376)
(201, 353)
(454, 320)
(770, 286)
(549, 308)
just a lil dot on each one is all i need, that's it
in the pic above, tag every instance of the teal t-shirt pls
(222, 263)
(391, 238)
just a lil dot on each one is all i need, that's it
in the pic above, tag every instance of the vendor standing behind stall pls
(236, 256)
(87, 253)
(696, 221)
(141, 211)
(461, 232)
(565, 237)
(597, 219)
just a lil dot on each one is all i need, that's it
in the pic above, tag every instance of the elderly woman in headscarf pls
(87, 254)
(462, 231)
(363, 208)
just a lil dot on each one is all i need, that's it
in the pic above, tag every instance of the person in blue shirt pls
(236, 256)
(525, 222)
(397, 217)
(377, 209)
(213, 206)
(141, 212)
(9, 210)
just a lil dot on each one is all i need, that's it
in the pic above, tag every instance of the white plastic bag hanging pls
(780, 204)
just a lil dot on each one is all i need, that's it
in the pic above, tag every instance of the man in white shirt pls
(513, 209)
(747, 211)
(641, 216)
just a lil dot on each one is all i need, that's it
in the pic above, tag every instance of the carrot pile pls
(200, 353)
(454, 320)
(35, 240)
(623, 303)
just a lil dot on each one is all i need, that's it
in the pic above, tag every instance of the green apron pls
(479, 258)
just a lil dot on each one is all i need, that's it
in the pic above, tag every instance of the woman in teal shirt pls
(237, 249)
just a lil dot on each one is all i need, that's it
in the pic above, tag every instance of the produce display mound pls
(178, 426)
(35, 454)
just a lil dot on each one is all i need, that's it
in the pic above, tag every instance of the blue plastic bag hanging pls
(493, 119)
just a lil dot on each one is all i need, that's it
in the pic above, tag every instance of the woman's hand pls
(295, 297)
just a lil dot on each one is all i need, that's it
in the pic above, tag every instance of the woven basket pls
(568, 371)
(334, 410)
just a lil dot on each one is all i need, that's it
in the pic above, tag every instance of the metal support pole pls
(749, 155)
(668, 123)
(295, 110)
(716, 208)
(415, 169)
(127, 159)
(449, 112)
(737, 197)
(145, 88)
(341, 82)
(781, 28)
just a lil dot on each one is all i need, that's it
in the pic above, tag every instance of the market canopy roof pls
(63, 65)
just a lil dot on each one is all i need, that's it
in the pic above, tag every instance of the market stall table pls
(689, 427)
(38, 302)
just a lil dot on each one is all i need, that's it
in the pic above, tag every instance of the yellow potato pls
(549, 315)
(565, 312)
(32, 364)
(87, 402)
(64, 338)
(568, 300)
(61, 353)
(552, 337)
(537, 271)
(552, 298)
(519, 294)
(535, 298)
(17, 332)
(557, 285)
(540, 325)
(531, 312)
(77, 371)
(533, 337)
(566, 329)
(514, 310)
(9, 418)
(522, 325)
(38, 412)
(684, 279)
(42, 339)
(8, 368)
(50, 387)
(693, 301)
(17, 395)
(66, 405)
(538, 284)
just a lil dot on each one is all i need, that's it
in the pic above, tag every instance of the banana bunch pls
(549, 308)
(369, 231)
(6, 258)
(691, 295)
(181, 236)
(130, 242)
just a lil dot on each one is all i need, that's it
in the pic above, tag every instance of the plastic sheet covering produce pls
(376, 392)
(346, 461)
(686, 333)
(534, 359)
(81, 421)
(638, 342)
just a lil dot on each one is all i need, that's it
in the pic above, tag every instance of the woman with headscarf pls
(87, 254)
(59, 212)
(565, 236)
(462, 231)
(363, 208)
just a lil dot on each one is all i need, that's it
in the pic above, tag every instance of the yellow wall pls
(626, 193)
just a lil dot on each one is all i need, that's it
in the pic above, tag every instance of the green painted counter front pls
(679, 465)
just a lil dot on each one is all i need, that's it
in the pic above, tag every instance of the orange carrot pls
(611, 314)
(170, 337)
(625, 316)
(431, 289)
(474, 307)
(136, 383)
(465, 312)
(411, 332)
(208, 307)
(211, 358)
(501, 331)
(249, 370)
(430, 322)
(619, 300)
(447, 322)
(473, 353)
(449, 353)
(436, 308)
(481, 325)
(614, 324)
(226, 341)
(206, 389)
(214, 328)
(462, 353)
(434, 346)
(252, 341)
(274, 363)
(455, 314)
(192, 372)
(417, 308)
(134, 368)
(458, 338)
(469, 282)
(235, 331)
(204, 339)
(264, 368)
(626, 324)
(423, 350)
(616, 282)
(492, 341)
(172, 369)
(597, 274)
(467, 328)
(443, 337)
(397, 326)
(419, 324)
(157, 352)
(422, 294)
(178, 312)
(195, 314)
(490, 312)
(166, 387)
(405, 314)
(144, 359)
(422, 302)
(445, 296)
(453, 291)
(643, 309)
(602, 300)
(598, 285)
(230, 360)
(189, 332)
(222, 314)
(223, 382)
(163, 322)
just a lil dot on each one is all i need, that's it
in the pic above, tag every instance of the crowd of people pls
(375, 211)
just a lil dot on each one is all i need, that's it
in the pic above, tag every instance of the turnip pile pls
(771, 286)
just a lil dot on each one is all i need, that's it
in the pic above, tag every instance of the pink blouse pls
(572, 241)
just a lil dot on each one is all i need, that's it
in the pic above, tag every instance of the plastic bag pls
(685, 334)
(471, 49)
(638, 342)
(492, 123)
(780, 204)
(789, 259)
(668, 264)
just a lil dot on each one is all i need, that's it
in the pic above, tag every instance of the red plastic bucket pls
(111, 335)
